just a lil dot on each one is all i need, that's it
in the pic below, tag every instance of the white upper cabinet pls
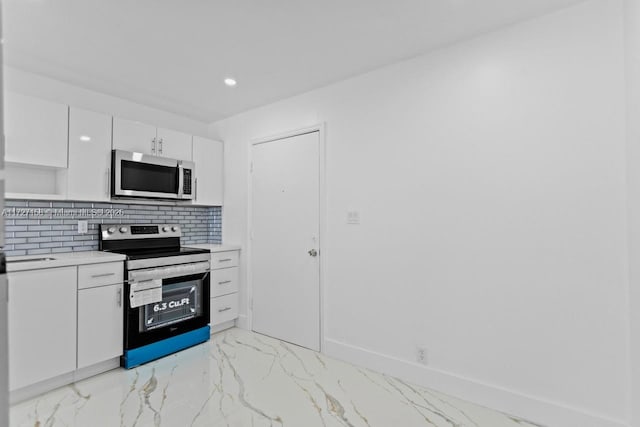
(89, 155)
(35, 131)
(208, 156)
(61, 152)
(130, 135)
(173, 144)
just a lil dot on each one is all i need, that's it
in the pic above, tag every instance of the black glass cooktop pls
(159, 252)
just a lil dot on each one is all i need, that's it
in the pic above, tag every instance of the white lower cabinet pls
(224, 287)
(95, 275)
(224, 281)
(225, 259)
(42, 325)
(224, 308)
(100, 320)
(62, 320)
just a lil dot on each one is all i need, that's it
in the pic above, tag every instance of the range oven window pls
(181, 301)
(139, 176)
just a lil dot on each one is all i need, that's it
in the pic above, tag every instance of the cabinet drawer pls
(224, 308)
(224, 281)
(93, 275)
(224, 259)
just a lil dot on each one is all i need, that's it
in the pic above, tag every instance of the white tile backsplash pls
(41, 227)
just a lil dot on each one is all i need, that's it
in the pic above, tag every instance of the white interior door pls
(285, 239)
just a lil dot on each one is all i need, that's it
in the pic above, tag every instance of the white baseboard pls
(242, 322)
(222, 327)
(537, 410)
(30, 391)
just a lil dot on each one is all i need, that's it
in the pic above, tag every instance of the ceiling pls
(175, 54)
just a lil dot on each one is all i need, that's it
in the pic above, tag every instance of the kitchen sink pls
(30, 259)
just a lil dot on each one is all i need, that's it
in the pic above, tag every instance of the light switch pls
(353, 217)
(83, 227)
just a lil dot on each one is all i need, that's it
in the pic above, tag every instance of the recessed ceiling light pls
(230, 82)
(85, 138)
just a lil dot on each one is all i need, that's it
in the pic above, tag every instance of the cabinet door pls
(42, 325)
(89, 155)
(35, 131)
(209, 158)
(130, 135)
(174, 144)
(99, 324)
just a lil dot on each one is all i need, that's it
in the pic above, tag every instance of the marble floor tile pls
(239, 379)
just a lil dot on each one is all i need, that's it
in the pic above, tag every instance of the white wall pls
(490, 177)
(43, 87)
(632, 25)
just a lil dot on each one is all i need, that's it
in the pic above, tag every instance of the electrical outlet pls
(353, 217)
(83, 227)
(421, 355)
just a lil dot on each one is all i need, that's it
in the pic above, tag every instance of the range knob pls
(165, 229)
(111, 230)
(174, 228)
(124, 230)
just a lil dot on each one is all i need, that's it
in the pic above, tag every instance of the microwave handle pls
(180, 180)
(108, 182)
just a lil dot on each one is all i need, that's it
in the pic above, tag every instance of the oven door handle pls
(206, 273)
(169, 272)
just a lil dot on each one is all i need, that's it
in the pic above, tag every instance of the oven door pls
(141, 175)
(184, 305)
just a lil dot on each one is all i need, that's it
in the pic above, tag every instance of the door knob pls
(313, 253)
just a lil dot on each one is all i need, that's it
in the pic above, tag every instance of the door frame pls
(322, 241)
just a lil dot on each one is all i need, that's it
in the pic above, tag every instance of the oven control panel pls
(145, 229)
(138, 231)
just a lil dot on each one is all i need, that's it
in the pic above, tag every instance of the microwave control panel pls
(187, 181)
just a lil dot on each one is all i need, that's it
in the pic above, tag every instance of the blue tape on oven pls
(149, 352)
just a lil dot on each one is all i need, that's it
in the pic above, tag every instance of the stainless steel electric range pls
(167, 308)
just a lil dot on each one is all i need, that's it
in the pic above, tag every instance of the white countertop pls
(89, 257)
(216, 248)
(61, 260)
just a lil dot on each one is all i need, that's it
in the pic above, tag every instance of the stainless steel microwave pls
(143, 175)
